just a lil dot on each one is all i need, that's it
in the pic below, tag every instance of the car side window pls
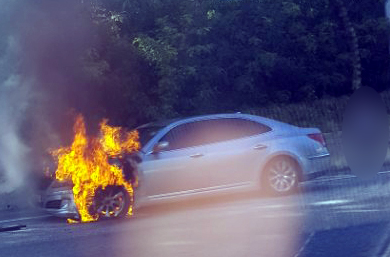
(211, 131)
(233, 128)
(183, 136)
(246, 128)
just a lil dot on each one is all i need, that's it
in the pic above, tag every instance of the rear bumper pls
(316, 165)
(319, 156)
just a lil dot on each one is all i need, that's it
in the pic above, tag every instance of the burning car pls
(205, 155)
(95, 176)
(111, 202)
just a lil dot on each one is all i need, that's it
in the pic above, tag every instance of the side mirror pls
(160, 146)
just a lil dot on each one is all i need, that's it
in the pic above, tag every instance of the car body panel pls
(237, 164)
(59, 202)
(173, 171)
(231, 162)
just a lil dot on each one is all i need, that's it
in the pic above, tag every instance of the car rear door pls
(178, 168)
(239, 147)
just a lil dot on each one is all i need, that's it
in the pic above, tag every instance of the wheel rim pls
(282, 176)
(112, 204)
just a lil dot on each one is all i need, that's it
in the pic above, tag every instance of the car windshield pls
(147, 133)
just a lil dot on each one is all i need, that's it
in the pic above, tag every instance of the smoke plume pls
(41, 45)
(14, 99)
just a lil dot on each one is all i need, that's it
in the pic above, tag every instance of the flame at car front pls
(85, 164)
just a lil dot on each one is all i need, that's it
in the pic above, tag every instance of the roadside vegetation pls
(293, 60)
(287, 59)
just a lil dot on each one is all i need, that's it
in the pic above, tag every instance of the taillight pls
(318, 137)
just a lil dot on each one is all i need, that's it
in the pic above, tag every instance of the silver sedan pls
(221, 153)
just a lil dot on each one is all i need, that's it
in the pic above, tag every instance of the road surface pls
(337, 216)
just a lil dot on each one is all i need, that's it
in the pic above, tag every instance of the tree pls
(214, 56)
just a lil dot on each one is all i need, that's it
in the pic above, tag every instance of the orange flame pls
(85, 164)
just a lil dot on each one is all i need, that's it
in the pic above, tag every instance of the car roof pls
(173, 122)
(160, 123)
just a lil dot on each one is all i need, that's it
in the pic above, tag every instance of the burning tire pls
(112, 202)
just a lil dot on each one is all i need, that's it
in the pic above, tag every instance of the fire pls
(112, 142)
(85, 164)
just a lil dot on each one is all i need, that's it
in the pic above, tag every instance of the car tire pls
(112, 202)
(281, 176)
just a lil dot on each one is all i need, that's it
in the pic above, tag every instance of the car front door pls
(177, 168)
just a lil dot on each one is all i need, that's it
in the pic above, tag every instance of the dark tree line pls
(159, 59)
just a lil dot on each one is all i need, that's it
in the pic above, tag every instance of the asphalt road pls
(339, 216)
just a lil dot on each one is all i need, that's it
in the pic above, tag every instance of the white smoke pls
(14, 97)
(41, 43)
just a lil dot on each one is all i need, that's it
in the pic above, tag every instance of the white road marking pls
(332, 178)
(351, 206)
(275, 206)
(304, 245)
(383, 247)
(331, 202)
(354, 210)
(339, 177)
(25, 218)
(20, 230)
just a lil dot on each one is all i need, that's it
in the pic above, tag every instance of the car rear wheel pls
(112, 202)
(281, 176)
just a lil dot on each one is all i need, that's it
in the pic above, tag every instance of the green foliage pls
(161, 59)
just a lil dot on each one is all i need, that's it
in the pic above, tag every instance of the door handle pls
(197, 155)
(259, 147)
